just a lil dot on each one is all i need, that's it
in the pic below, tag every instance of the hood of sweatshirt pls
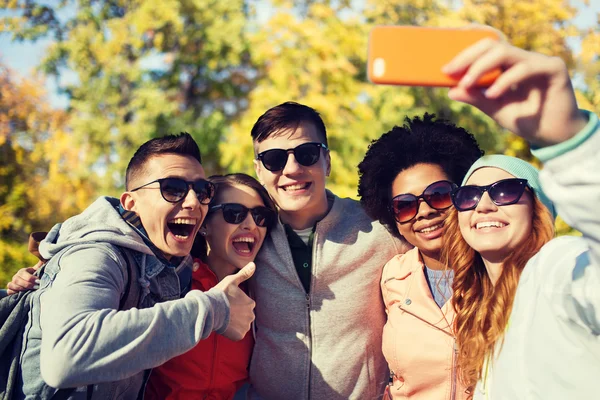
(101, 222)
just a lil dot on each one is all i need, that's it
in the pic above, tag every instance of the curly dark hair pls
(424, 140)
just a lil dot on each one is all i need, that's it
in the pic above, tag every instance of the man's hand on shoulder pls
(24, 279)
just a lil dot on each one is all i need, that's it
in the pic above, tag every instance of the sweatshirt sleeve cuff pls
(220, 306)
(545, 154)
(213, 311)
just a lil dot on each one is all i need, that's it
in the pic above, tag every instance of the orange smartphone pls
(414, 56)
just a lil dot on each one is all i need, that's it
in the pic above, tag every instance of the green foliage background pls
(211, 67)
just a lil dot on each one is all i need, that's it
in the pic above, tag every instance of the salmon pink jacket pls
(418, 341)
(215, 369)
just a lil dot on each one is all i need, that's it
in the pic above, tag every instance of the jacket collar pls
(419, 300)
(203, 278)
(135, 223)
(278, 233)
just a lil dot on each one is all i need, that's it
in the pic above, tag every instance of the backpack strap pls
(64, 394)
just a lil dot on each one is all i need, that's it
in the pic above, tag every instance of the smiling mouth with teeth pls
(244, 245)
(431, 228)
(182, 228)
(490, 224)
(298, 186)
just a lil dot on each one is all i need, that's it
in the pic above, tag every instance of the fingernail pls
(36, 287)
(467, 80)
(37, 281)
(490, 93)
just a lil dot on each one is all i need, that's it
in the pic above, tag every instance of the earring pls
(202, 233)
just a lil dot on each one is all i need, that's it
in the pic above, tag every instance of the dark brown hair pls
(222, 181)
(229, 180)
(182, 144)
(288, 115)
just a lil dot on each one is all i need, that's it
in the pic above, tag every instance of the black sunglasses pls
(437, 195)
(234, 213)
(502, 193)
(305, 154)
(174, 190)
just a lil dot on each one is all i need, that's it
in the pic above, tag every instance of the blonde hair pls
(482, 309)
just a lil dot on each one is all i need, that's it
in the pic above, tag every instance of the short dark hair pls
(419, 141)
(199, 249)
(182, 144)
(288, 115)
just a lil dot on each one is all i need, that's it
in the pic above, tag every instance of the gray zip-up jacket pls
(325, 344)
(76, 336)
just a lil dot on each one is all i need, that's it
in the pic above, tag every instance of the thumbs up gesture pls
(241, 306)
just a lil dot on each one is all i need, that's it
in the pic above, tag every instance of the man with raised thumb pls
(114, 299)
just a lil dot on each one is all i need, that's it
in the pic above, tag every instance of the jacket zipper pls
(307, 299)
(453, 390)
(312, 281)
(454, 350)
(309, 346)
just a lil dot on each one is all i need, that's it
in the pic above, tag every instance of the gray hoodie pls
(325, 344)
(76, 336)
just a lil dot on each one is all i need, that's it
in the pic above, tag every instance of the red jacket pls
(215, 369)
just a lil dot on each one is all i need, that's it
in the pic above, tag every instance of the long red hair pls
(482, 309)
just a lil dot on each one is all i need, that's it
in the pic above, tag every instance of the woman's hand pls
(533, 97)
